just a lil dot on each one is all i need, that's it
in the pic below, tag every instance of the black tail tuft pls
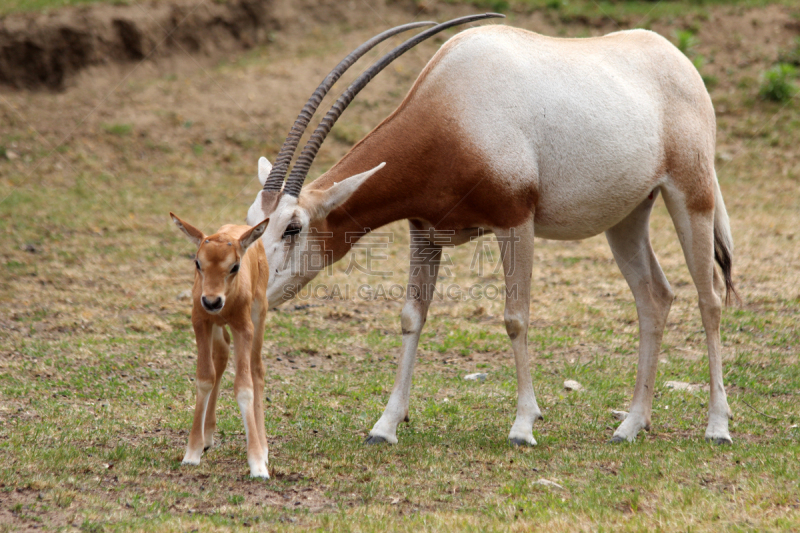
(722, 254)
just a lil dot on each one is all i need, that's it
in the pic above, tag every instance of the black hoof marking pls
(617, 439)
(372, 440)
(206, 448)
(720, 441)
(519, 442)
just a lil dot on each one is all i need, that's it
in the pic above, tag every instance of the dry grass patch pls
(97, 356)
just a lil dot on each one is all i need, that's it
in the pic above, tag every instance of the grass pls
(97, 355)
(778, 84)
(120, 130)
(612, 10)
(14, 6)
(637, 12)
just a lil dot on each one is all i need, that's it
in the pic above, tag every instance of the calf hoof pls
(374, 439)
(258, 469)
(191, 458)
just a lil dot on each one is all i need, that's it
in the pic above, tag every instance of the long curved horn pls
(278, 174)
(295, 182)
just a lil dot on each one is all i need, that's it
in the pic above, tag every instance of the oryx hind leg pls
(630, 244)
(516, 250)
(694, 222)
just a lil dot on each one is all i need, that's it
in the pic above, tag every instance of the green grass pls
(13, 6)
(778, 84)
(120, 130)
(613, 10)
(16, 6)
(127, 413)
(636, 12)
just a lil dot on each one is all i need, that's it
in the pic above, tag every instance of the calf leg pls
(424, 268)
(259, 317)
(516, 250)
(205, 383)
(243, 390)
(630, 244)
(220, 351)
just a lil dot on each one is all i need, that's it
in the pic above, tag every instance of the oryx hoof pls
(720, 441)
(374, 439)
(521, 442)
(617, 439)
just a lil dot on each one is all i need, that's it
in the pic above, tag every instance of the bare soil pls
(46, 49)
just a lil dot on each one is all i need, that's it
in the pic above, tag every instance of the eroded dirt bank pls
(44, 50)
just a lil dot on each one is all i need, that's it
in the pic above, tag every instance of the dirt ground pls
(90, 254)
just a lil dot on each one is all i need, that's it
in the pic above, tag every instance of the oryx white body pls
(522, 135)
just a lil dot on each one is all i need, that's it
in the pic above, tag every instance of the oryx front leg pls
(423, 270)
(516, 250)
(630, 244)
(243, 390)
(205, 383)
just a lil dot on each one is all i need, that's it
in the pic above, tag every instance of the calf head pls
(217, 261)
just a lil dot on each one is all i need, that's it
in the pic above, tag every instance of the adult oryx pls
(519, 134)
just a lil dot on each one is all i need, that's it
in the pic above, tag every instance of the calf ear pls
(194, 234)
(340, 192)
(264, 169)
(253, 234)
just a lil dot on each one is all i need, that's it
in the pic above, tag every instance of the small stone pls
(480, 376)
(185, 295)
(619, 415)
(11, 155)
(548, 483)
(572, 385)
(681, 385)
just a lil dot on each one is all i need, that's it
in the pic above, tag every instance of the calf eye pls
(235, 268)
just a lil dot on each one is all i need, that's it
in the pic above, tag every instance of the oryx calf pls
(230, 285)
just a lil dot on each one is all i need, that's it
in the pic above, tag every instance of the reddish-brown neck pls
(432, 173)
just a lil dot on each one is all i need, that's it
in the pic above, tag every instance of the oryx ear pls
(340, 192)
(194, 234)
(253, 234)
(264, 169)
